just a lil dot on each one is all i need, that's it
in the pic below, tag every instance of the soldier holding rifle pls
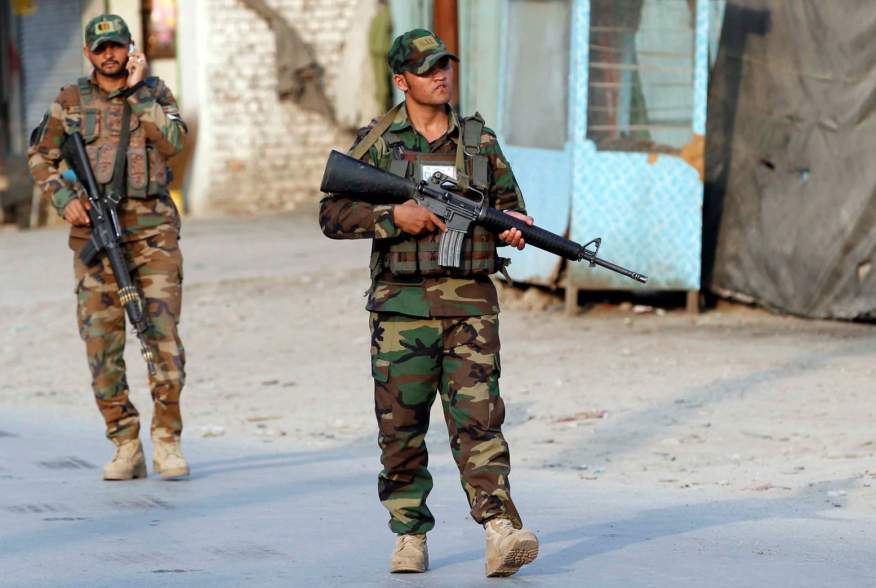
(130, 125)
(435, 330)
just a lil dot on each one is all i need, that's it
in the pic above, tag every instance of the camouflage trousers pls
(156, 268)
(412, 359)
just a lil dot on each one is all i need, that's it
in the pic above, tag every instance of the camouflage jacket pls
(421, 296)
(157, 123)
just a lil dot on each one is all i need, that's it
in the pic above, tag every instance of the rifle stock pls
(350, 177)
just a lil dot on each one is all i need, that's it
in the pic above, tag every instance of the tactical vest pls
(419, 255)
(100, 125)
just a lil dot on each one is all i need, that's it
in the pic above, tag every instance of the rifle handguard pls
(89, 253)
(498, 221)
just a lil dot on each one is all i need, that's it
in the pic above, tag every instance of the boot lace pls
(170, 450)
(409, 541)
(502, 526)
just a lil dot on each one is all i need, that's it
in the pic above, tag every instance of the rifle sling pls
(117, 184)
(375, 133)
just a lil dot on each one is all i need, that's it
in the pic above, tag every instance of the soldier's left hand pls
(514, 237)
(136, 68)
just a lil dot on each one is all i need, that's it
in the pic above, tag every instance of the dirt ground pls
(277, 344)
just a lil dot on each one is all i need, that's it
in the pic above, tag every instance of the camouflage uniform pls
(151, 233)
(432, 331)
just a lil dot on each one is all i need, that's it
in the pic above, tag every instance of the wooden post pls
(693, 301)
(447, 28)
(571, 298)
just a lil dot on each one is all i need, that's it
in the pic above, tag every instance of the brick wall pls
(267, 155)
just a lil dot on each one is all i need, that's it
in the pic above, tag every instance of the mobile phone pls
(131, 47)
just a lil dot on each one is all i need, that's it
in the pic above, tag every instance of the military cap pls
(104, 28)
(417, 51)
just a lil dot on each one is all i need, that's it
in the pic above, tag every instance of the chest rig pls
(101, 125)
(418, 255)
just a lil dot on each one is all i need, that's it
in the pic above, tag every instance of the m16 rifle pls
(350, 177)
(106, 238)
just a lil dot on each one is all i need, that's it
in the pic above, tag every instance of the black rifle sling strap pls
(117, 185)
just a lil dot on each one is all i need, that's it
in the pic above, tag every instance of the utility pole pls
(447, 27)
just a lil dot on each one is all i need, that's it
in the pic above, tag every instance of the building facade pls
(250, 149)
(257, 151)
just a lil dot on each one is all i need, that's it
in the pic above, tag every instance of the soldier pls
(431, 329)
(95, 107)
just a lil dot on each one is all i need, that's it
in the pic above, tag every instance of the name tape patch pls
(105, 26)
(425, 43)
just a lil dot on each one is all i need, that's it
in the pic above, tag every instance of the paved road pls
(254, 514)
(250, 516)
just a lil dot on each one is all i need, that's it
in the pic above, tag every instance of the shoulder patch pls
(489, 139)
(69, 96)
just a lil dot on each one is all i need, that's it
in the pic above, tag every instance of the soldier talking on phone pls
(130, 125)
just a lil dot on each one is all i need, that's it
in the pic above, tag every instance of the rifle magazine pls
(450, 248)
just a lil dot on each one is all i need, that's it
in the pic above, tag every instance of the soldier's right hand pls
(75, 213)
(412, 218)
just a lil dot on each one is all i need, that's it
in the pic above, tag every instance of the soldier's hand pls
(412, 218)
(514, 237)
(75, 213)
(136, 67)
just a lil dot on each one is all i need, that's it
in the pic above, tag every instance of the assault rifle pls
(347, 176)
(106, 237)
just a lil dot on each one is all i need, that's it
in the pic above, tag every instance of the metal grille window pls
(50, 45)
(537, 81)
(641, 74)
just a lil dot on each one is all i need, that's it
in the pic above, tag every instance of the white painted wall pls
(192, 48)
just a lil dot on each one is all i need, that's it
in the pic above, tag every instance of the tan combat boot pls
(167, 459)
(127, 463)
(410, 554)
(508, 549)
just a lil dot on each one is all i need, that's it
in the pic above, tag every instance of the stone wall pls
(267, 154)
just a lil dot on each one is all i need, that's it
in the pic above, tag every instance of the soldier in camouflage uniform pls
(94, 106)
(435, 331)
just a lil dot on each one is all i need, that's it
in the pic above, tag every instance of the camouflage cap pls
(104, 28)
(417, 51)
